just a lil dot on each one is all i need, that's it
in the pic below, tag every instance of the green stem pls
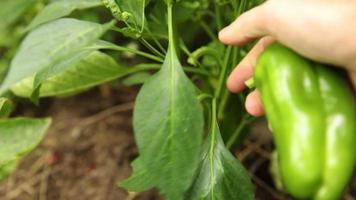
(151, 48)
(204, 96)
(145, 67)
(245, 120)
(235, 56)
(212, 140)
(185, 49)
(144, 16)
(218, 17)
(138, 52)
(225, 93)
(208, 30)
(170, 29)
(213, 113)
(222, 77)
(195, 56)
(146, 43)
(196, 71)
(235, 7)
(222, 104)
(155, 40)
(111, 46)
(242, 7)
(117, 29)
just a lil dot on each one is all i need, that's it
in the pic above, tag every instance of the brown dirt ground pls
(89, 148)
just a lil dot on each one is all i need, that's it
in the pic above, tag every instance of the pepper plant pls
(185, 121)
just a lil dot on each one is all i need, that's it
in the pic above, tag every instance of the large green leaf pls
(5, 107)
(136, 79)
(7, 169)
(140, 180)
(168, 125)
(93, 70)
(221, 175)
(17, 138)
(3, 67)
(61, 8)
(51, 48)
(12, 10)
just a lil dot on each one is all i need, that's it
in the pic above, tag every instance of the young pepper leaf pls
(3, 67)
(17, 138)
(140, 180)
(7, 169)
(51, 48)
(168, 125)
(95, 69)
(136, 79)
(131, 12)
(61, 8)
(221, 175)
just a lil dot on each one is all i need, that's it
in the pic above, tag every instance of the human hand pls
(321, 30)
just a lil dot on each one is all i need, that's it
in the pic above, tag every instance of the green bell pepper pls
(312, 112)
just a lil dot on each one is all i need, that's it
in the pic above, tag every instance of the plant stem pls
(111, 46)
(197, 71)
(185, 49)
(146, 43)
(151, 48)
(222, 104)
(212, 139)
(204, 96)
(206, 51)
(218, 16)
(171, 45)
(155, 40)
(138, 52)
(114, 28)
(245, 120)
(225, 93)
(235, 56)
(223, 73)
(235, 6)
(242, 7)
(208, 30)
(145, 67)
(144, 16)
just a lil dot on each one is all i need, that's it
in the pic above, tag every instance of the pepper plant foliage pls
(183, 115)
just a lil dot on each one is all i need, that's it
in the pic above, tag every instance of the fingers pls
(253, 104)
(244, 70)
(236, 81)
(245, 28)
(352, 75)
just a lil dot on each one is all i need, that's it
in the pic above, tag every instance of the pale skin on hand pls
(323, 31)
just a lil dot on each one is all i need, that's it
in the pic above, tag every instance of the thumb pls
(247, 27)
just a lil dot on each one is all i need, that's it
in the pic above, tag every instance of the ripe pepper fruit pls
(312, 112)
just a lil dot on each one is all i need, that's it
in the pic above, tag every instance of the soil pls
(90, 145)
